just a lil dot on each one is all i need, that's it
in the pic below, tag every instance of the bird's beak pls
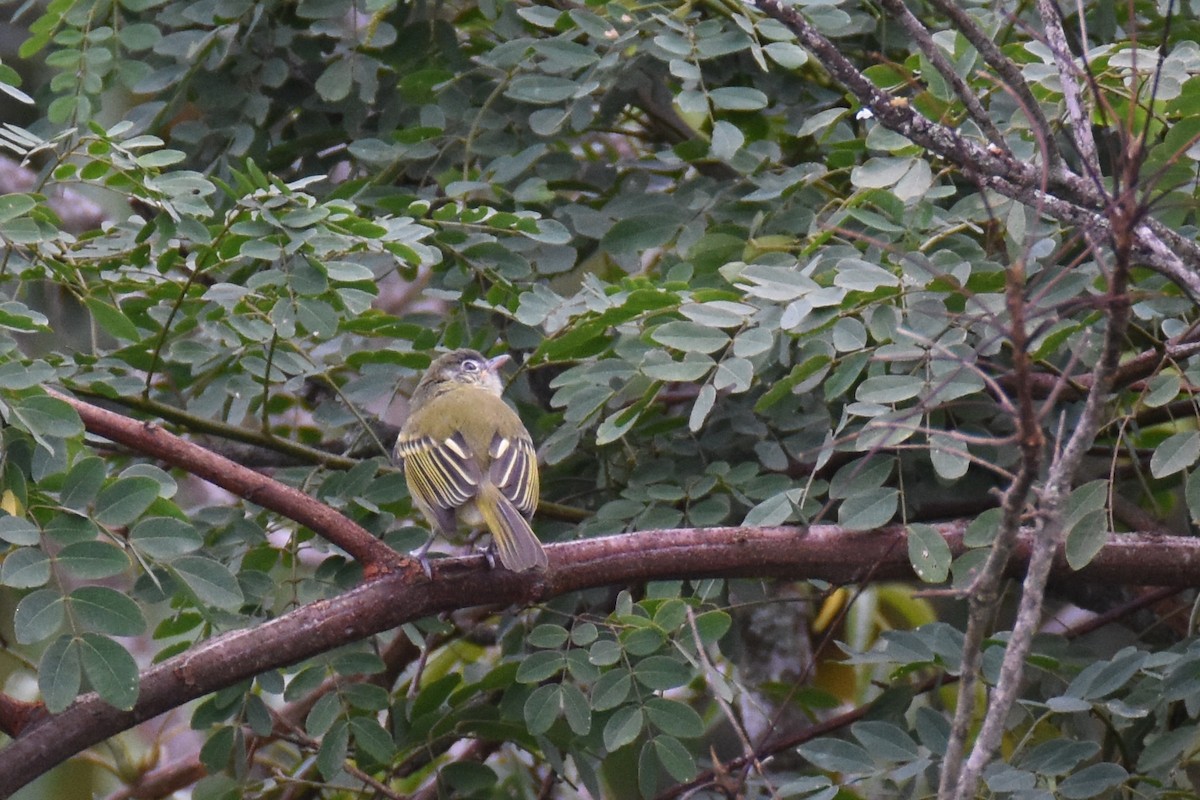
(494, 364)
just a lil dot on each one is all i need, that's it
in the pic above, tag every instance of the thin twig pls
(970, 100)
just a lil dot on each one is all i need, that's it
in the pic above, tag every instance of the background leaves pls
(735, 298)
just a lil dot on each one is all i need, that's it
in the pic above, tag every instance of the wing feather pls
(514, 471)
(442, 474)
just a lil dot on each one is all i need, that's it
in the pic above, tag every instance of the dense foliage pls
(741, 293)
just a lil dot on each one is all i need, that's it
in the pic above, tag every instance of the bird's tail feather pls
(516, 543)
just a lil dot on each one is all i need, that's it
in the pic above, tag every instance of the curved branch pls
(828, 552)
(292, 503)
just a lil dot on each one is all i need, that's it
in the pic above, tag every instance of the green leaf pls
(733, 375)
(19, 317)
(165, 537)
(982, 530)
(92, 560)
(1092, 781)
(217, 751)
(1191, 493)
(541, 89)
(25, 568)
(166, 484)
(662, 672)
(335, 82)
(737, 98)
(16, 205)
(885, 741)
(611, 689)
(1162, 389)
(869, 509)
(38, 616)
(660, 366)
(323, 714)
(331, 758)
(673, 717)
(18, 530)
(125, 500)
(718, 313)
(106, 610)
(1059, 756)
(690, 337)
(46, 416)
(82, 483)
(623, 727)
(888, 389)
(537, 667)
(633, 235)
(364, 696)
(59, 674)
(835, 755)
(727, 139)
(372, 739)
(674, 757)
(706, 398)
(1177, 453)
(1165, 750)
(1086, 538)
(949, 455)
(210, 581)
(110, 670)
(112, 319)
(793, 56)
(17, 375)
(542, 707)
(775, 510)
(576, 710)
(929, 554)
(548, 636)
(783, 387)
(712, 625)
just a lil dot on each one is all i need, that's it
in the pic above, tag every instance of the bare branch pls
(827, 552)
(1060, 193)
(1077, 112)
(1060, 478)
(1008, 71)
(970, 100)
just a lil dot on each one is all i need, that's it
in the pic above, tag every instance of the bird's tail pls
(516, 543)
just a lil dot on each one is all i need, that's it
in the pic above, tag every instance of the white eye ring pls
(471, 366)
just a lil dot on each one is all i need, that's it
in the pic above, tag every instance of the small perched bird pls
(468, 459)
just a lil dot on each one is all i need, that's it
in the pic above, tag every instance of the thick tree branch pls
(827, 552)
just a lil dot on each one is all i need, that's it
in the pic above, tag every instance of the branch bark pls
(825, 552)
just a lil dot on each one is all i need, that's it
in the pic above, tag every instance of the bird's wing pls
(514, 471)
(443, 474)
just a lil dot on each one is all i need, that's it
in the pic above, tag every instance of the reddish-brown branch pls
(824, 551)
(15, 714)
(153, 441)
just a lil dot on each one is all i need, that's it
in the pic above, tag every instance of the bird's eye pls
(471, 366)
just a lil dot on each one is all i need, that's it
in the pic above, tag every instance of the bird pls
(468, 459)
